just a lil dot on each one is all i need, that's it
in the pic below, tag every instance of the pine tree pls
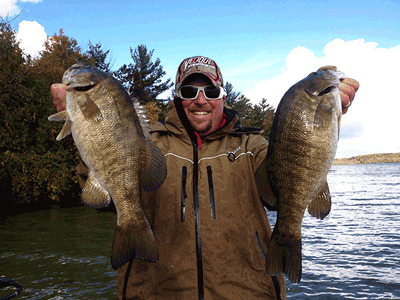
(231, 96)
(143, 78)
(99, 57)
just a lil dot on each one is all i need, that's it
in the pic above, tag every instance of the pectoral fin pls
(154, 167)
(90, 110)
(93, 194)
(320, 207)
(62, 116)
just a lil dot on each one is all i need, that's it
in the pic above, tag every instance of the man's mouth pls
(200, 113)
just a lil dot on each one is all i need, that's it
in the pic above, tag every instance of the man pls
(207, 217)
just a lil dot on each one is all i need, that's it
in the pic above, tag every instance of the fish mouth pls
(321, 83)
(328, 90)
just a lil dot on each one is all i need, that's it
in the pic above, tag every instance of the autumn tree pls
(33, 166)
(143, 77)
(60, 52)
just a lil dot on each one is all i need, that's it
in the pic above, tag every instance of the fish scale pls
(121, 160)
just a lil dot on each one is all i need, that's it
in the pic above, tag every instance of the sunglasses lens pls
(188, 92)
(212, 92)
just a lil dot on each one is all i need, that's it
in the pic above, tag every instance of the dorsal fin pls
(141, 113)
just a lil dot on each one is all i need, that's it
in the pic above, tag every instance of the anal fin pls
(320, 206)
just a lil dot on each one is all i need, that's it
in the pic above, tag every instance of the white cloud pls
(372, 123)
(32, 37)
(10, 8)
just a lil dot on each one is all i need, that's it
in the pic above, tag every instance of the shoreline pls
(379, 158)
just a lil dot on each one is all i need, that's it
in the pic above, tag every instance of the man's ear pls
(223, 98)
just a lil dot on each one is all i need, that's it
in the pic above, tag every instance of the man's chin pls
(202, 130)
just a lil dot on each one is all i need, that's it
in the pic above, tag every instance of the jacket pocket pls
(211, 190)
(183, 193)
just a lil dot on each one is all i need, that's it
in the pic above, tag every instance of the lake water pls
(354, 253)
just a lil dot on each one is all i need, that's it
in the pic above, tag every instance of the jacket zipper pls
(200, 276)
(183, 193)
(211, 190)
(274, 278)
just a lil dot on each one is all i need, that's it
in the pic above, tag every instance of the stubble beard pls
(205, 130)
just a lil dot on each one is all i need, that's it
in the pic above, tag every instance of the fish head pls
(83, 89)
(323, 88)
(322, 82)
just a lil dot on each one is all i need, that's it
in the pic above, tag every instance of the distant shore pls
(369, 159)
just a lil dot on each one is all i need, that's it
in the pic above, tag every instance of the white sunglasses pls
(190, 92)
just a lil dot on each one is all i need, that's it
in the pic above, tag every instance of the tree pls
(262, 116)
(243, 106)
(98, 57)
(33, 166)
(231, 96)
(144, 77)
(60, 52)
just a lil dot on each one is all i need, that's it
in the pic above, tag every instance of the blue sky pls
(262, 47)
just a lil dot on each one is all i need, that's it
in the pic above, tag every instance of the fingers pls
(324, 68)
(347, 89)
(58, 93)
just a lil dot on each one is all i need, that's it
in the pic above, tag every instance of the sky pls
(262, 47)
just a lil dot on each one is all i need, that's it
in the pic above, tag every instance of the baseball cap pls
(202, 65)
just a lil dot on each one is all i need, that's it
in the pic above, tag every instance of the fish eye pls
(326, 91)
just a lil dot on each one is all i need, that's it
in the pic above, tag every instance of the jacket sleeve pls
(259, 148)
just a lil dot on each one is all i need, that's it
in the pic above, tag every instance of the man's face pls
(204, 115)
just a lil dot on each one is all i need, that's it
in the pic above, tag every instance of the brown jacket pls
(209, 223)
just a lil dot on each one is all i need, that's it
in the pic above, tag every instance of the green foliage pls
(144, 77)
(260, 115)
(32, 177)
(99, 57)
(33, 166)
(231, 96)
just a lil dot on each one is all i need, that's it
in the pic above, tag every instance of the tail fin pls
(130, 241)
(284, 256)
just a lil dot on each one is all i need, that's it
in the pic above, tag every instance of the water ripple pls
(354, 253)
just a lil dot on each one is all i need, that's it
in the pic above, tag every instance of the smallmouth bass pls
(121, 160)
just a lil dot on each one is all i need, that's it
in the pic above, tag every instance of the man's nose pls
(201, 99)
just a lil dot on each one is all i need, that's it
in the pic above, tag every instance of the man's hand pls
(58, 94)
(347, 89)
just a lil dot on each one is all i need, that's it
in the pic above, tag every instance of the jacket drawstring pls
(211, 190)
(183, 193)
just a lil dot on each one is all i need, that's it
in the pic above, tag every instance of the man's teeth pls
(200, 113)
